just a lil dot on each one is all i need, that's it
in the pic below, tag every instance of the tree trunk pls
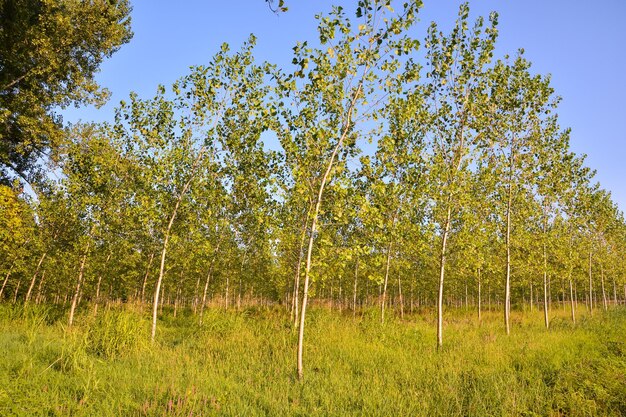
(604, 301)
(590, 287)
(163, 254)
(166, 240)
(157, 290)
(206, 287)
(442, 268)
(145, 279)
(545, 276)
(17, 289)
(95, 307)
(296, 280)
(32, 281)
(176, 300)
(196, 296)
(466, 297)
(6, 279)
(384, 294)
(507, 286)
(545, 300)
(571, 301)
(239, 294)
(318, 203)
(39, 287)
(400, 297)
(79, 282)
(549, 292)
(479, 296)
(243, 259)
(226, 296)
(356, 275)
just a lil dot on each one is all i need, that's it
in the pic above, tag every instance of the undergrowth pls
(242, 363)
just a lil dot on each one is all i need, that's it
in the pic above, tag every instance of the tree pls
(520, 138)
(455, 90)
(49, 54)
(17, 227)
(335, 86)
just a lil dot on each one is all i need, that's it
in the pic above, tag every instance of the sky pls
(581, 44)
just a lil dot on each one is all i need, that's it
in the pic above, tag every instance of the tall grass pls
(242, 363)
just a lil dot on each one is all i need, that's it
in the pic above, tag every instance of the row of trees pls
(382, 169)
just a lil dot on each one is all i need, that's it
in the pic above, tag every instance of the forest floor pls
(242, 363)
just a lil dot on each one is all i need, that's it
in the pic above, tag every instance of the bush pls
(115, 333)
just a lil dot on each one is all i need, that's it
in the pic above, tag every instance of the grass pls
(242, 363)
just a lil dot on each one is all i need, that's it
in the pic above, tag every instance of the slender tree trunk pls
(239, 290)
(40, 286)
(305, 290)
(79, 282)
(296, 280)
(196, 296)
(545, 276)
(466, 297)
(226, 297)
(206, 287)
(145, 279)
(614, 292)
(479, 296)
(356, 275)
(507, 286)
(571, 296)
(384, 295)
(545, 300)
(6, 279)
(318, 203)
(95, 307)
(157, 290)
(549, 292)
(17, 289)
(590, 287)
(604, 300)
(442, 268)
(400, 297)
(167, 238)
(176, 300)
(239, 294)
(34, 279)
(163, 254)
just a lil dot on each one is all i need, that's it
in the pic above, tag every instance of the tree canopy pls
(49, 54)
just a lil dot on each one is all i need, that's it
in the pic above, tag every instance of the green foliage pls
(49, 54)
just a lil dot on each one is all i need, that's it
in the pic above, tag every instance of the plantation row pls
(382, 168)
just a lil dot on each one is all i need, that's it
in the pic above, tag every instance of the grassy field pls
(242, 363)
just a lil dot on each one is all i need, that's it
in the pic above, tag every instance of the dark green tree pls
(49, 54)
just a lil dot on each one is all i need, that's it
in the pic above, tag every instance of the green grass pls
(243, 364)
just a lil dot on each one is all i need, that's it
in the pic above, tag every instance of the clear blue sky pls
(582, 44)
